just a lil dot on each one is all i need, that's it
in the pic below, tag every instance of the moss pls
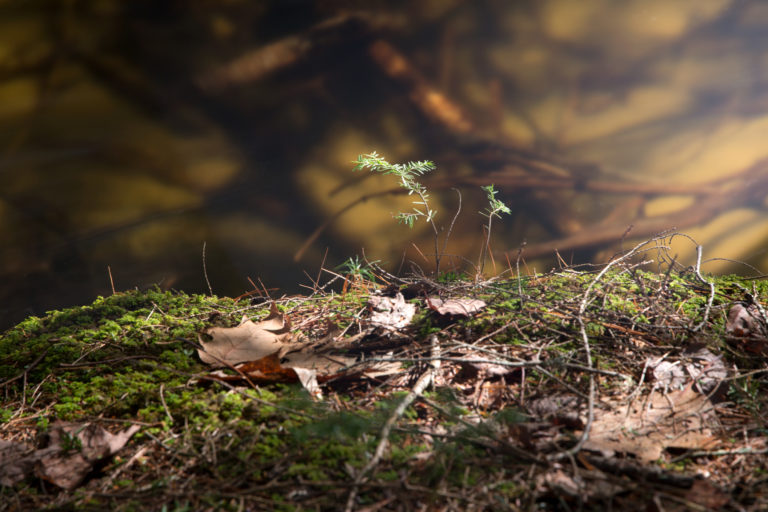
(130, 357)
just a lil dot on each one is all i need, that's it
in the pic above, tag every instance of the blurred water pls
(133, 132)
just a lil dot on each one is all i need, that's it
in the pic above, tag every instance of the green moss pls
(124, 359)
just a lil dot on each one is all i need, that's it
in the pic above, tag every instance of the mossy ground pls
(130, 359)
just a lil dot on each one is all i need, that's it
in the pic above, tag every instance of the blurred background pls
(133, 132)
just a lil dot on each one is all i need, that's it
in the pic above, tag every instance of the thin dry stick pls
(165, 406)
(205, 272)
(711, 284)
(111, 281)
(697, 270)
(424, 381)
(450, 228)
(588, 350)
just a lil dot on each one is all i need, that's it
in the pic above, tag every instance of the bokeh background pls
(133, 132)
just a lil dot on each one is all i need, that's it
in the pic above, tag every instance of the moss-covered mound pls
(484, 436)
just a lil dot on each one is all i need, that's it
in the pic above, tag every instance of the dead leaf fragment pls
(479, 364)
(391, 313)
(249, 341)
(667, 374)
(743, 321)
(697, 363)
(72, 451)
(746, 326)
(707, 494)
(455, 307)
(706, 368)
(16, 462)
(681, 419)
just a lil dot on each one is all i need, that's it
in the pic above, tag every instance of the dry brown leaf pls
(261, 371)
(746, 326)
(324, 364)
(74, 448)
(249, 341)
(16, 462)
(391, 313)
(743, 321)
(680, 419)
(303, 366)
(666, 374)
(707, 494)
(455, 307)
(479, 364)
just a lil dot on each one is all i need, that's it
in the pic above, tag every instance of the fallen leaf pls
(708, 495)
(455, 307)
(310, 369)
(249, 341)
(706, 368)
(696, 363)
(16, 462)
(479, 364)
(391, 313)
(667, 374)
(647, 426)
(74, 448)
(743, 321)
(747, 328)
(308, 379)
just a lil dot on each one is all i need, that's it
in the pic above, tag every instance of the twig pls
(111, 281)
(26, 370)
(205, 272)
(162, 401)
(711, 285)
(424, 381)
(453, 221)
(588, 351)
(697, 271)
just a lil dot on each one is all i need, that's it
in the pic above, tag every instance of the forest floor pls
(591, 388)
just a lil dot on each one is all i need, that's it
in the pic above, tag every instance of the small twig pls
(205, 271)
(453, 221)
(26, 370)
(162, 401)
(421, 384)
(588, 350)
(711, 284)
(419, 251)
(111, 281)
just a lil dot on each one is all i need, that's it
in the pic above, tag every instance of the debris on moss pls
(510, 398)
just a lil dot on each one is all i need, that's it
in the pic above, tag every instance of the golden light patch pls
(641, 105)
(17, 98)
(666, 205)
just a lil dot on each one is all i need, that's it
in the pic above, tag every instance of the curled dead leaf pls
(391, 313)
(646, 427)
(249, 341)
(73, 449)
(747, 327)
(455, 307)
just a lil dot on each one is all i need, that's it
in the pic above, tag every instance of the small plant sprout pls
(407, 174)
(495, 209)
(356, 271)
